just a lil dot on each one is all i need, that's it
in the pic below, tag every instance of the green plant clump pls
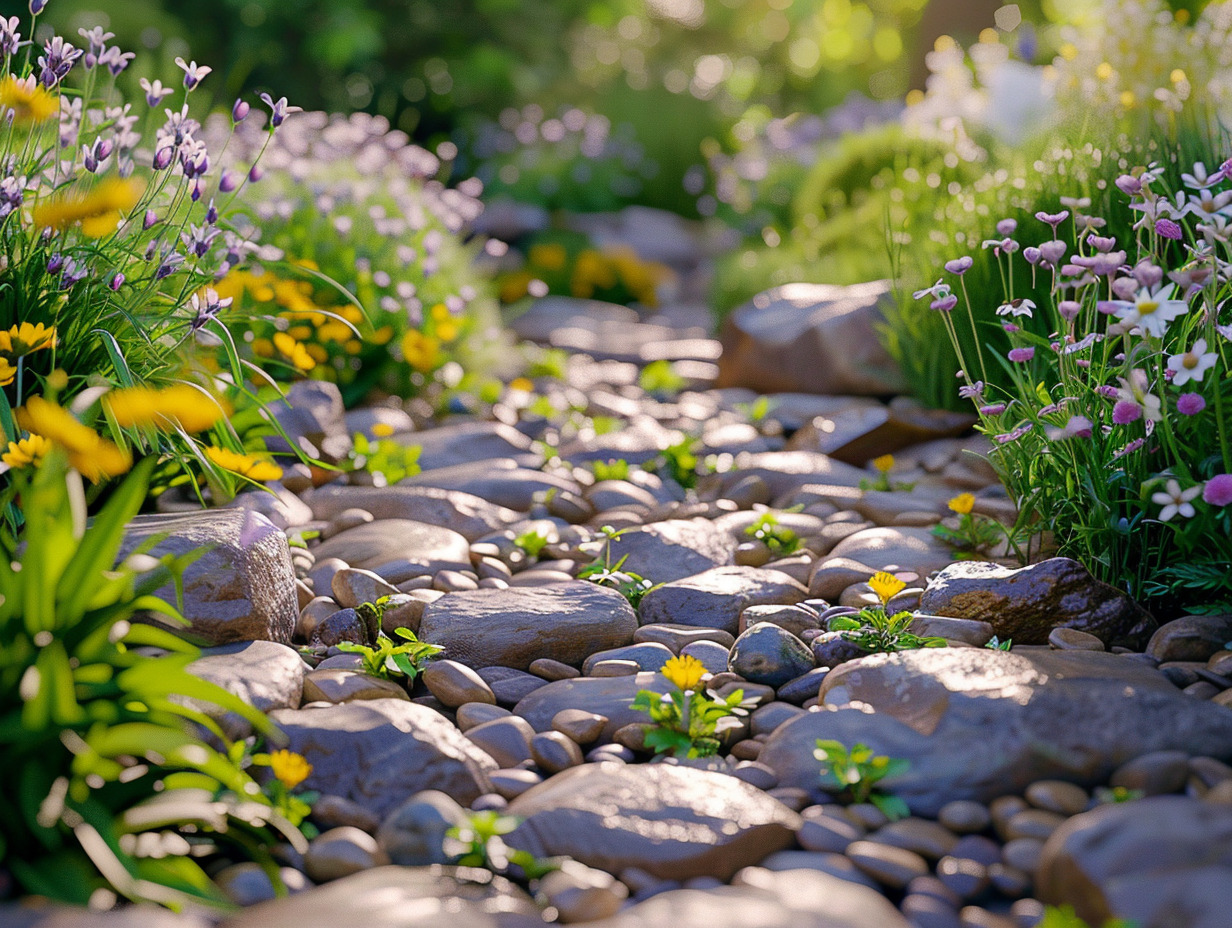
(105, 789)
(387, 660)
(687, 722)
(480, 843)
(632, 586)
(780, 539)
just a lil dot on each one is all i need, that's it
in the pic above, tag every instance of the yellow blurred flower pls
(382, 430)
(181, 404)
(515, 286)
(551, 256)
(25, 338)
(7, 372)
(26, 452)
(290, 768)
(963, 503)
(250, 466)
(88, 452)
(98, 211)
(420, 351)
(886, 586)
(294, 352)
(884, 464)
(445, 326)
(686, 671)
(525, 384)
(28, 100)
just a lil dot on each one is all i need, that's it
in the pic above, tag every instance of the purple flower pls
(1130, 448)
(960, 266)
(211, 213)
(54, 263)
(37, 6)
(1129, 185)
(10, 38)
(227, 182)
(1052, 219)
(1218, 490)
(1102, 243)
(1190, 404)
(58, 59)
(72, 274)
(1053, 251)
(1166, 228)
(1107, 391)
(973, 392)
(149, 220)
(1069, 309)
(1148, 274)
(239, 110)
(162, 158)
(1007, 227)
(1021, 355)
(992, 409)
(1226, 169)
(944, 304)
(169, 263)
(1125, 412)
(193, 72)
(116, 282)
(1032, 254)
(255, 174)
(278, 111)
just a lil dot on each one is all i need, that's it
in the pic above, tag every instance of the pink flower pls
(1069, 309)
(1166, 228)
(1124, 413)
(1218, 490)
(993, 409)
(1190, 404)
(960, 266)
(1021, 354)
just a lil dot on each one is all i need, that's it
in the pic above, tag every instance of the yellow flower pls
(550, 256)
(886, 586)
(28, 451)
(250, 466)
(294, 352)
(98, 211)
(7, 372)
(91, 454)
(515, 286)
(686, 672)
(290, 768)
(884, 464)
(382, 430)
(525, 384)
(182, 404)
(26, 339)
(963, 503)
(29, 101)
(445, 326)
(422, 352)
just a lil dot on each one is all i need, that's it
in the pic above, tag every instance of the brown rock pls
(1160, 861)
(378, 752)
(670, 821)
(339, 686)
(512, 628)
(506, 739)
(341, 852)
(715, 598)
(1027, 603)
(581, 726)
(242, 588)
(894, 867)
(674, 549)
(405, 541)
(455, 684)
(554, 751)
(1191, 638)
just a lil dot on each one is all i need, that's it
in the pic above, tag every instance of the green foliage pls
(479, 843)
(1065, 917)
(680, 462)
(856, 774)
(615, 469)
(996, 644)
(532, 541)
(386, 460)
(1117, 794)
(388, 660)
(660, 378)
(873, 629)
(781, 540)
(972, 534)
(632, 586)
(105, 784)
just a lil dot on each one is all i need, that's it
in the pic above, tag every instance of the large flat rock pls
(976, 723)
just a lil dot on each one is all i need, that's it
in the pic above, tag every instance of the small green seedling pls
(532, 541)
(479, 842)
(388, 660)
(632, 586)
(855, 775)
(614, 469)
(781, 540)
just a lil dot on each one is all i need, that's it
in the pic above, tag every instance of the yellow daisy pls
(250, 466)
(98, 211)
(29, 101)
(290, 768)
(886, 586)
(686, 672)
(26, 452)
(182, 404)
(88, 452)
(963, 503)
(26, 338)
(422, 352)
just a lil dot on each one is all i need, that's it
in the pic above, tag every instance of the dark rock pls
(769, 655)
(1191, 638)
(1027, 603)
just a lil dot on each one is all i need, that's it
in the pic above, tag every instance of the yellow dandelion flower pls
(963, 503)
(181, 405)
(29, 101)
(886, 586)
(98, 211)
(1104, 71)
(26, 452)
(884, 464)
(88, 452)
(382, 335)
(294, 352)
(262, 347)
(382, 430)
(248, 465)
(686, 671)
(421, 351)
(24, 338)
(290, 768)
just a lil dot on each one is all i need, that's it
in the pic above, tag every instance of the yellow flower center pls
(1189, 360)
(1146, 307)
